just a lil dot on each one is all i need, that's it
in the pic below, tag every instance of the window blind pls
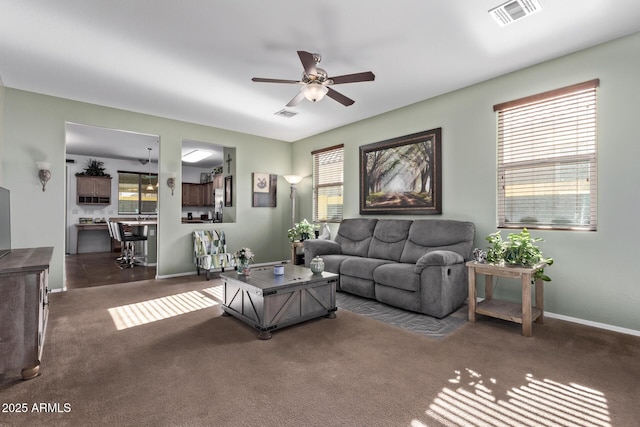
(547, 159)
(328, 172)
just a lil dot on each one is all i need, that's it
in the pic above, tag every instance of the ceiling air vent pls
(286, 114)
(512, 11)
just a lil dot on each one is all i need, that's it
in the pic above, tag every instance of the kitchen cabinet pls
(24, 309)
(218, 181)
(207, 194)
(93, 190)
(192, 194)
(198, 194)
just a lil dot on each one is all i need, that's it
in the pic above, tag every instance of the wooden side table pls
(294, 247)
(520, 313)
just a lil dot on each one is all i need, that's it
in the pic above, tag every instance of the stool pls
(129, 244)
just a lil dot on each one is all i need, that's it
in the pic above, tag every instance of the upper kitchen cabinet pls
(198, 194)
(192, 194)
(94, 190)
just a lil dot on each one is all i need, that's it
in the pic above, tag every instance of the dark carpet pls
(160, 353)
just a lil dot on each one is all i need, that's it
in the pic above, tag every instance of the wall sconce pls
(293, 180)
(44, 173)
(171, 181)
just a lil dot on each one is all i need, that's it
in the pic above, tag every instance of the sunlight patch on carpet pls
(538, 402)
(130, 315)
(215, 291)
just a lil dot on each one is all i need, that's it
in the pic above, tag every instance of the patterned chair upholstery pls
(210, 251)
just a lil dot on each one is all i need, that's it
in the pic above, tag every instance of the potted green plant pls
(94, 168)
(519, 249)
(301, 231)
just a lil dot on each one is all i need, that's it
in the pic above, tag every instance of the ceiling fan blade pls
(296, 99)
(339, 97)
(367, 76)
(308, 62)
(261, 80)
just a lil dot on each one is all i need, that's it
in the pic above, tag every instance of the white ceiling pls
(194, 60)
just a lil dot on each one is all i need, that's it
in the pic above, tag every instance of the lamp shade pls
(292, 179)
(314, 91)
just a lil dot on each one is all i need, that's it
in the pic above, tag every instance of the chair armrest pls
(437, 258)
(318, 247)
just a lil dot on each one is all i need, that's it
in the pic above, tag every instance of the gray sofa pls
(417, 265)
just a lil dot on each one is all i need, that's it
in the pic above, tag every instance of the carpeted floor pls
(160, 353)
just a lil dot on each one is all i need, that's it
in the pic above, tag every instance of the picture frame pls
(228, 191)
(263, 190)
(403, 175)
(205, 177)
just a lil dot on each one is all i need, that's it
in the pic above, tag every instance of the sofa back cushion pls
(389, 238)
(354, 236)
(438, 234)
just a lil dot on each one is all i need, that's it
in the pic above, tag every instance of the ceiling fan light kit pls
(314, 91)
(316, 82)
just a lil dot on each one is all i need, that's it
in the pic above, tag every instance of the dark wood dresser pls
(24, 307)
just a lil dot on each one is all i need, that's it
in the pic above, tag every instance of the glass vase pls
(243, 267)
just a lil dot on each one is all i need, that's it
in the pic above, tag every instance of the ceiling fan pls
(316, 83)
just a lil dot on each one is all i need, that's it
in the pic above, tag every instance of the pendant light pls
(150, 186)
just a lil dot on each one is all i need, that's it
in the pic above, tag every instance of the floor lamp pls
(293, 180)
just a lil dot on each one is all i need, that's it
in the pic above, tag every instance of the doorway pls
(96, 159)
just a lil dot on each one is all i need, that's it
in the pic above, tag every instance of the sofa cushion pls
(354, 236)
(332, 262)
(389, 238)
(361, 267)
(438, 234)
(357, 286)
(397, 275)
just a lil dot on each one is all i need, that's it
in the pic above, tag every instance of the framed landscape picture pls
(402, 175)
(263, 190)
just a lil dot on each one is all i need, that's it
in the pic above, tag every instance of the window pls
(547, 158)
(134, 194)
(327, 184)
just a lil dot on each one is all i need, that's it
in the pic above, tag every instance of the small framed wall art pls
(263, 190)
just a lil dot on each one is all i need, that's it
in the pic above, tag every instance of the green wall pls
(593, 278)
(34, 130)
(2, 92)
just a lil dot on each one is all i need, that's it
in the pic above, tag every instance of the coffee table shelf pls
(268, 302)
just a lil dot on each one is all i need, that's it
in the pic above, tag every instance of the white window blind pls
(328, 168)
(547, 159)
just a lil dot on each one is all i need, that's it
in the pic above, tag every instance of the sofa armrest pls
(318, 247)
(437, 258)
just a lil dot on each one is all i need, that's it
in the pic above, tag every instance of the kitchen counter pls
(197, 221)
(140, 222)
(88, 227)
(147, 227)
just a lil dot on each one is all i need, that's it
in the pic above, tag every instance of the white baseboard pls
(588, 323)
(594, 324)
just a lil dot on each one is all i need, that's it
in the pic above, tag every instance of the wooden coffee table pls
(268, 302)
